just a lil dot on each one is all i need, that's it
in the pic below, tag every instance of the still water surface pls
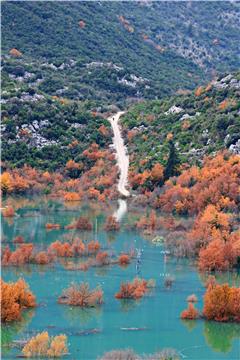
(156, 315)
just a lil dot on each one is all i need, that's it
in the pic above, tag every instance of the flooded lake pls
(146, 325)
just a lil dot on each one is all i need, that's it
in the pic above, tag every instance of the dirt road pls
(121, 154)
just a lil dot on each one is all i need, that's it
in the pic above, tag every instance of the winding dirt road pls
(121, 154)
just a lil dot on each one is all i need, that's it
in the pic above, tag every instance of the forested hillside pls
(199, 123)
(37, 127)
(67, 65)
(113, 51)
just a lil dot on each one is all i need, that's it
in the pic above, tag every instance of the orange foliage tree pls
(191, 313)
(14, 298)
(222, 303)
(6, 182)
(83, 224)
(215, 183)
(72, 196)
(50, 226)
(111, 224)
(157, 172)
(81, 295)
(93, 247)
(22, 255)
(132, 290)
(73, 169)
(15, 53)
(42, 345)
(124, 259)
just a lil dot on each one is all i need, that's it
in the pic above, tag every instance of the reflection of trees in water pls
(27, 269)
(128, 304)
(230, 277)
(111, 238)
(190, 324)
(10, 331)
(103, 270)
(76, 315)
(219, 336)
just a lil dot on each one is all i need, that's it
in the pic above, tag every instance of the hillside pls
(37, 127)
(199, 123)
(114, 52)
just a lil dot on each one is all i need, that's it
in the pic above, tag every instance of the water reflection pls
(220, 336)
(76, 315)
(230, 277)
(190, 324)
(9, 332)
(159, 312)
(121, 211)
(127, 305)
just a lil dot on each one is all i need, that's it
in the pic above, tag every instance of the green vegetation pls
(138, 50)
(75, 61)
(47, 133)
(199, 123)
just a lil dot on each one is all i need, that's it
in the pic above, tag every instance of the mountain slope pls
(200, 123)
(147, 42)
(37, 127)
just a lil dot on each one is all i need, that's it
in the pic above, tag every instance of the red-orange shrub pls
(102, 258)
(132, 290)
(49, 226)
(111, 224)
(83, 224)
(78, 247)
(93, 247)
(42, 258)
(44, 346)
(222, 303)
(190, 313)
(124, 259)
(14, 298)
(72, 196)
(61, 249)
(81, 295)
(22, 255)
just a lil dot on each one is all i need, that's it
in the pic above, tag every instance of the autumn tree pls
(191, 313)
(222, 303)
(81, 295)
(111, 224)
(6, 182)
(44, 346)
(132, 290)
(73, 169)
(14, 298)
(83, 223)
(124, 259)
(15, 53)
(157, 173)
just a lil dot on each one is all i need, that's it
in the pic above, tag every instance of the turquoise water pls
(156, 314)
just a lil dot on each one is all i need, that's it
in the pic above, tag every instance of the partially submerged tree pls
(81, 295)
(42, 345)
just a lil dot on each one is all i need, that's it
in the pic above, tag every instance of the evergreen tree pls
(172, 163)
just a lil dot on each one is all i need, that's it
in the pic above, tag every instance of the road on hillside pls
(121, 154)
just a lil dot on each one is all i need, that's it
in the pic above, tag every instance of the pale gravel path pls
(121, 154)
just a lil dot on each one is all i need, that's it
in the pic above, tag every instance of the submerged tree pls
(81, 295)
(14, 298)
(42, 345)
